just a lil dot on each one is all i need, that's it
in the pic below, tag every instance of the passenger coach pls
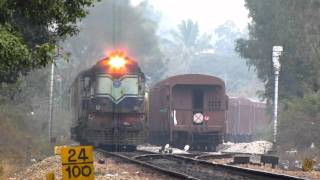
(188, 110)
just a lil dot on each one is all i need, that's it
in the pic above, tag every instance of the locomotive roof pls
(191, 79)
(133, 68)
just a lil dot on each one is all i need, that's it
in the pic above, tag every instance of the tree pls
(184, 45)
(134, 32)
(300, 122)
(29, 31)
(226, 35)
(293, 24)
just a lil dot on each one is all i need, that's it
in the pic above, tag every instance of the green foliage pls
(189, 51)
(133, 31)
(188, 32)
(226, 35)
(184, 46)
(24, 116)
(188, 38)
(14, 54)
(300, 122)
(29, 31)
(238, 79)
(294, 24)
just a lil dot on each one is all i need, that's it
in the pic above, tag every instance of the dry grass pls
(7, 168)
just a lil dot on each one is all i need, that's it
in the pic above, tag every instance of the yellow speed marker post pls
(50, 176)
(77, 163)
(1, 170)
(308, 165)
(57, 150)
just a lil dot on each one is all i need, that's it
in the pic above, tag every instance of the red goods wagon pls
(261, 118)
(188, 109)
(244, 118)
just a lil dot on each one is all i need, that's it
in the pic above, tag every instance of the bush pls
(300, 122)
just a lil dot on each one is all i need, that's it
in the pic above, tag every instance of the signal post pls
(276, 53)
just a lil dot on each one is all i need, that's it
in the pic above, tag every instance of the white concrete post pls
(276, 53)
(51, 103)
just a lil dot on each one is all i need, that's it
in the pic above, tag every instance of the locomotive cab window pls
(197, 100)
(86, 82)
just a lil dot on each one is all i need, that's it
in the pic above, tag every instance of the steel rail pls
(241, 170)
(147, 165)
(230, 169)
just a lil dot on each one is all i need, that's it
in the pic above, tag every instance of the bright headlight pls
(117, 62)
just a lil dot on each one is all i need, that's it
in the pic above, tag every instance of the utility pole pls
(239, 118)
(276, 53)
(51, 103)
(52, 28)
(226, 79)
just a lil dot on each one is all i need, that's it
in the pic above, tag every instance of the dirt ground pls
(119, 170)
(111, 169)
(313, 175)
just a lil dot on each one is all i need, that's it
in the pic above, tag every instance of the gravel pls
(155, 149)
(313, 175)
(255, 147)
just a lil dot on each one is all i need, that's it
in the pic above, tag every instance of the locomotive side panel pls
(159, 115)
(77, 107)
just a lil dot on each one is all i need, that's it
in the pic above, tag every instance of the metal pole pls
(238, 119)
(254, 117)
(275, 110)
(51, 103)
(226, 79)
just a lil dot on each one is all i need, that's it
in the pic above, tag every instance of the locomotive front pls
(109, 99)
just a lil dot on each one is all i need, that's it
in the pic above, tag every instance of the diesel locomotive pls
(109, 104)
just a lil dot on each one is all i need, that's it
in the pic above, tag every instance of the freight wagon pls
(188, 109)
(244, 118)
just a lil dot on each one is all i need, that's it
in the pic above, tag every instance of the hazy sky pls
(208, 13)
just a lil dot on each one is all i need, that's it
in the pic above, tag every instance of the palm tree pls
(185, 45)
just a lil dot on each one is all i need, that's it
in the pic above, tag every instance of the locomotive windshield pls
(117, 89)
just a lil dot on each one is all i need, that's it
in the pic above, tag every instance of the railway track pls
(202, 155)
(190, 168)
(131, 157)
